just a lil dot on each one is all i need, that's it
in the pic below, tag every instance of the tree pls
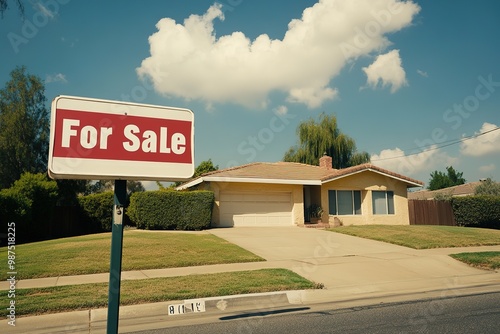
(69, 190)
(36, 196)
(316, 139)
(440, 180)
(24, 127)
(488, 187)
(204, 167)
(99, 186)
(108, 185)
(134, 186)
(4, 5)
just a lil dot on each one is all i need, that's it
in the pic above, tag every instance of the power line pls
(446, 144)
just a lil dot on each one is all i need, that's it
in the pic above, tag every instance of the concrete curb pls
(94, 320)
(155, 315)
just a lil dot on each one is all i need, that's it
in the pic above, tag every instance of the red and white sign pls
(100, 139)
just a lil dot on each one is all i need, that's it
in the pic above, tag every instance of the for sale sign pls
(101, 139)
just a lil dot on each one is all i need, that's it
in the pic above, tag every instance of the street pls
(456, 314)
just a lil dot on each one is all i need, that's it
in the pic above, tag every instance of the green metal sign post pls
(116, 256)
(94, 139)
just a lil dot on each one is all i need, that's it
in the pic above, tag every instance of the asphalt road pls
(461, 314)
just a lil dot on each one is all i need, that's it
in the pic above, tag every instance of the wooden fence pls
(431, 212)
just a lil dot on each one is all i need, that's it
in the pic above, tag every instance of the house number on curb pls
(193, 307)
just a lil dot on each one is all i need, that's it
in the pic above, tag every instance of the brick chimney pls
(325, 162)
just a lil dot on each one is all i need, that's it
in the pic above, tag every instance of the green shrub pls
(171, 210)
(477, 211)
(97, 210)
(30, 204)
(13, 206)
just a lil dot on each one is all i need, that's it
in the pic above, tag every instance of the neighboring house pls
(466, 189)
(272, 194)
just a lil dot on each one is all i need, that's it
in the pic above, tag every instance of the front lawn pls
(486, 260)
(91, 296)
(424, 236)
(90, 254)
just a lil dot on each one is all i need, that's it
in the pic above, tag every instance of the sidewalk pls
(141, 274)
(211, 269)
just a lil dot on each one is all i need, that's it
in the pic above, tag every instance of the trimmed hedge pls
(477, 211)
(97, 210)
(171, 210)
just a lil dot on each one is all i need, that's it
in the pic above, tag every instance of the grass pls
(77, 297)
(425, 236)
(90, 254)
(485, 260)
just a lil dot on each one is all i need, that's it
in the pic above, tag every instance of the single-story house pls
(281, 194)
(466, 189)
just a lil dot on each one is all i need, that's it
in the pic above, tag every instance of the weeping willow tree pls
(316, 139)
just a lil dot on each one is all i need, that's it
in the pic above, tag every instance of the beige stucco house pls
(281, 194)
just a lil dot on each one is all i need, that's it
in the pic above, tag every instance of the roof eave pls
(190, 184)
(410, 184)
(246, 180)
(260, 180)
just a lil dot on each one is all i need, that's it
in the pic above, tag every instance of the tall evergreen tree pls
(24, 127)
(324, 136)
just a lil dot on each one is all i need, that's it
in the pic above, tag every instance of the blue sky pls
(406, 80)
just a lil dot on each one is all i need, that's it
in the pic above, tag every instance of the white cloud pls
(423, 73)
(282, 110)
(488, 143)
(487, 168)
(398, 161)
(189, 60)
(386, 69)
(313, 97)
(59, 77)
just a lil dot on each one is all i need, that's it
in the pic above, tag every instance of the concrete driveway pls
(350, 265)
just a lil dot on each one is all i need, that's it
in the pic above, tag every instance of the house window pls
(383, 202)
(344, 202)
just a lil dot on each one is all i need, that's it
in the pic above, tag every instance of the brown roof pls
(273, 170)
(460, 190)
(297, 172)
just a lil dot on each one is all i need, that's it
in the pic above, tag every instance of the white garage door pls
(255, 209)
